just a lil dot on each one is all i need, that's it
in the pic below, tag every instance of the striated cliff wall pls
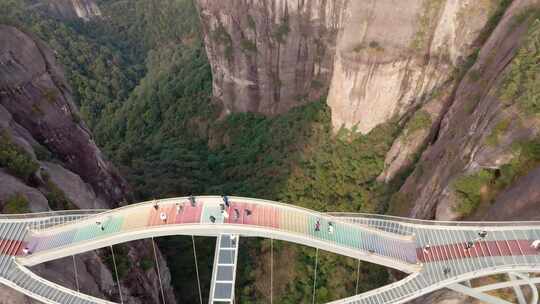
(487, 146)
(269, 56)
(73, 9)
(392, 55)
(48, 160)
(378, 58)
(35, 97)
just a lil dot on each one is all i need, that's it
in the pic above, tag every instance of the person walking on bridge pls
(192, 201)
(163, 217)
(330, 228)
(536, 244)
(427, 248)
(318, 225)
(226, 201)
(179, 208)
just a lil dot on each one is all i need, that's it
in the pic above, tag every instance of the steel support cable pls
(197, 269)
(315, 274)
(158, 272)
(357, 277)
(76, 276)
(271, 271)
(117, 278)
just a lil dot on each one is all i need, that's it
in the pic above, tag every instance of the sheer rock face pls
(36, 97)
(73, 9)
(269, 56)
(523, 196)
(37, 114)
(379, 58)
(465, 143)
(391, 55)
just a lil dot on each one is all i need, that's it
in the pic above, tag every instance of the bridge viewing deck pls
(435, 254)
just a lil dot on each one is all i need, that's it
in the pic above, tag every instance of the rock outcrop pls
(487, 136)
(73, 9)
(270, 56)
(49, 160)
(379, 58)
(36, 97)
(392, 55)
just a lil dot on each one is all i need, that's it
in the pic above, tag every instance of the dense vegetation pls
(522, 84)
(16, 161)
(16, 204)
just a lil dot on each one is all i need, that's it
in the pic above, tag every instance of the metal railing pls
(425, 280)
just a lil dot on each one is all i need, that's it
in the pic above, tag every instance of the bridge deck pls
(390, 241)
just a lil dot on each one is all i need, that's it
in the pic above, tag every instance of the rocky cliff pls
(484, 162)
(269, 56)
(486, 149)
(393, 55)
(72, 9)
(379, 59)
(48, 160)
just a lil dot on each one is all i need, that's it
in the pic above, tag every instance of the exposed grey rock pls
(73, 9)
(379, 58)
(519, 202)
(10, 296)
(461, 146)
(38, 98)
(11, 186)
(36, 109)
(270, 56)
(18, 134)
(405, 148)
(92, 275)
(76, 190)
(392, 54)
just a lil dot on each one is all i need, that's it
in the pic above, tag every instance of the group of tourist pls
(330, 227)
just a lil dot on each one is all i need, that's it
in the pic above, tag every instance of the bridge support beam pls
(517, 289)
(472, 292)
(224, 271)
(516, 281)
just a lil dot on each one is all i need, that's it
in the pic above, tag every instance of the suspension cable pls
(271, 270)
(357, 277)
(76, 276)
(117, 278)
(315, 274)
(158, 273)
(196, 268)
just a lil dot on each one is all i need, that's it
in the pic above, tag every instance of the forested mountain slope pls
(49, 160)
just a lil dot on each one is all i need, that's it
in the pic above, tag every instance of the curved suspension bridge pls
(435, 255)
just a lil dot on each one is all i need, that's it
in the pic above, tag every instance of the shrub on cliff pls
(16, 161)
(16, 204)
